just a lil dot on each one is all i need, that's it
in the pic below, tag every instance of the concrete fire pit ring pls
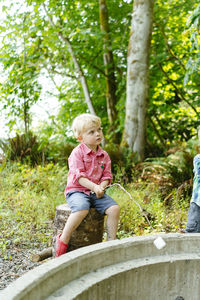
(131, 268)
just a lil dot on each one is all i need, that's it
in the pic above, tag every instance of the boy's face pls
(92, 137)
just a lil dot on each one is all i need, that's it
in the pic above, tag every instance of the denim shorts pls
(193, 221)
(79, 201)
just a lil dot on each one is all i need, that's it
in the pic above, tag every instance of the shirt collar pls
(88, 150)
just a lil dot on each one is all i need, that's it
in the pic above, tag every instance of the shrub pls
(173, 171)
(123, 162)
(161, 218)
(58, 152)
(24, 148)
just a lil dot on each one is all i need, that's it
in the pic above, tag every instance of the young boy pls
(89, 175)
(193, 222)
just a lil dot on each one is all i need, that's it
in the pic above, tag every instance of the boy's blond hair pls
(84, 122)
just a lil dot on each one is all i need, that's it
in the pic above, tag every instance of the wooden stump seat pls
(89, 232)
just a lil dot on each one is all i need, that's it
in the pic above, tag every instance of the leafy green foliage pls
(162, 218)
(193, 62)
(58, 152)
(20, 88)
(172, 171)
(174, 107)
(123, 162)
(31, 45)
(79, 23)
(27, 203)
(23, 148)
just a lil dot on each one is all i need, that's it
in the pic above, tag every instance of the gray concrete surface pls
(132, 268)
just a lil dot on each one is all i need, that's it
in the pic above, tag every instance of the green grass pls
(162, 218)
(29, 196)
(27, 204)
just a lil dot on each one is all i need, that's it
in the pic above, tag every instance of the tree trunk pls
(108, 63)
(138, 77)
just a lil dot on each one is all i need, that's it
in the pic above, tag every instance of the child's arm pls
(106, 178)
(87, 183)
(104, 183)
(98, 189)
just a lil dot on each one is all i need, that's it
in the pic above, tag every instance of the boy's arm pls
(87, 183)
(104, 183)
(107, 174)
(98, 189)
(76, 165)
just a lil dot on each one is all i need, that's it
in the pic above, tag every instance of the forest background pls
(135, 65)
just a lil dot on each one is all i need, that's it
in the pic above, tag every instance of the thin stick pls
(142, 211)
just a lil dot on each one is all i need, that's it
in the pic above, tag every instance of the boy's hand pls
(104, 184)
(99, 190)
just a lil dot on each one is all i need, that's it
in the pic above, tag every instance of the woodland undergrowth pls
(29, 195)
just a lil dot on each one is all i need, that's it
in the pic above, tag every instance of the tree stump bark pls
(89, 232)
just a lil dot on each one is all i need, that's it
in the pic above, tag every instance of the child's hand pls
(99, 190)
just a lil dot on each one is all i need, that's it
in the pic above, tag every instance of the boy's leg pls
(109, 207)
(112, 221)
(72, 223)
(193, 221)
(79, 205)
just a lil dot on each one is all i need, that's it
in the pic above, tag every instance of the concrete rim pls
(55, 274)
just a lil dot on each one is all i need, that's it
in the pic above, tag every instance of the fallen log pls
(44, 254)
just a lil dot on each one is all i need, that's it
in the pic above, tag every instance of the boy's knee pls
(82, 213)
(113, 210)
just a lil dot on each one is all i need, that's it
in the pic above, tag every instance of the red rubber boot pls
(60, 246)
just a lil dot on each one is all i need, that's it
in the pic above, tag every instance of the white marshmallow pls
(159, 243)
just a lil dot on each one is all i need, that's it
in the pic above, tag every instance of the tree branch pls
(179, 92)
(169, 49)
(157, 132)
(76, 63)
(60, 73)
(93, 65)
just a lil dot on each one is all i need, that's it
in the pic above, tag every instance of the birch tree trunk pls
(138, 77)
(108, 63)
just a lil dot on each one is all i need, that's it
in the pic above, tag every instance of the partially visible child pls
(89, 175)
(193, 221)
